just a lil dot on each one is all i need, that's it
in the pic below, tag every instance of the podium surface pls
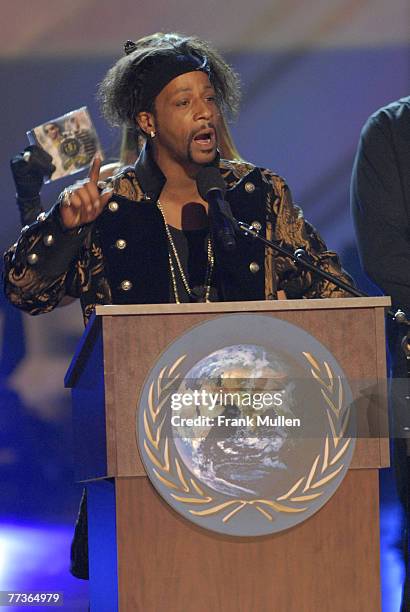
(157, 560)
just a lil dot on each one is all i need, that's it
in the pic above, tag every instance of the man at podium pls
(144, 235)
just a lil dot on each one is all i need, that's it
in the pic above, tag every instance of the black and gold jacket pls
(122, 257)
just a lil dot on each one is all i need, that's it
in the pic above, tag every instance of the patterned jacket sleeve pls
(293, 231)
(44, 264)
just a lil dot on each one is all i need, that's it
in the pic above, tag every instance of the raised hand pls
(83, 202)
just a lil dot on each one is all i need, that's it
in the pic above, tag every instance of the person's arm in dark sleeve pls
(44, 265)
(294, 232)
(379, 212)
(40, 268)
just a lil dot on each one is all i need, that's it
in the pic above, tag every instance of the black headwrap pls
(161, 68)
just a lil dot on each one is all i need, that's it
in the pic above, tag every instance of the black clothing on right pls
(380, 200)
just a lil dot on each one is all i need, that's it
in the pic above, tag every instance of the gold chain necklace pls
(173, 251)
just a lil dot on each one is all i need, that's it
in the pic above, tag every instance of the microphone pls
(211, 187)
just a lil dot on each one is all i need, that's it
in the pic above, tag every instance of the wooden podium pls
(144, 557)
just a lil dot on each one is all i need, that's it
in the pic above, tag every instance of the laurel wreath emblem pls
(185, 488)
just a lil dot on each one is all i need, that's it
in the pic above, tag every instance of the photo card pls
(71, 140)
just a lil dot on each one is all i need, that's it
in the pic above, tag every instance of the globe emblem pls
(219, 452)
(239, 452)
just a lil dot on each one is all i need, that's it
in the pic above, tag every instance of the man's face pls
(52, 131)
(186, 117)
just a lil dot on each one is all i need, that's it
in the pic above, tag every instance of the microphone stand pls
(300, 258)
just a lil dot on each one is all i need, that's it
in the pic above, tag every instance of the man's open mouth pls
(205, 138)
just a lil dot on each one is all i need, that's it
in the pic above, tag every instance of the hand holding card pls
(29, 169)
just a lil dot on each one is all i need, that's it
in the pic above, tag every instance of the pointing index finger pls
(94, 172)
